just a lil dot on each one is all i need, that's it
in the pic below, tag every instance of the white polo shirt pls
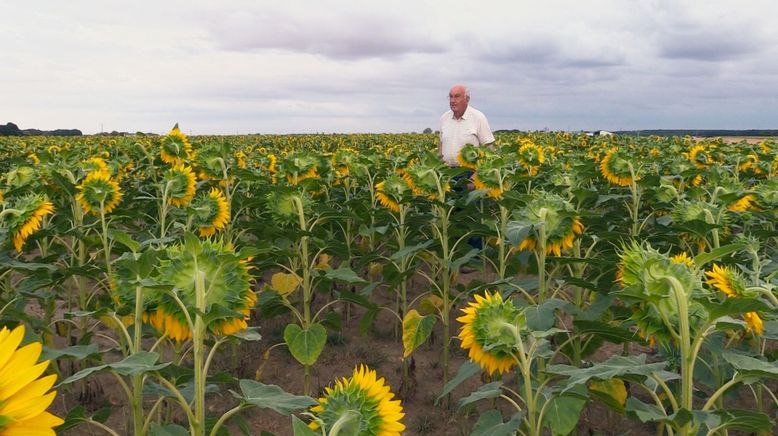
(472, 128)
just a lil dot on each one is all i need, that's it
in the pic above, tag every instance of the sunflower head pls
(700, 157)
(283, 205)
(531, 156)
(617, 168)
(489, 328)
(647, 272)
(561, 224)
(299, 167)
(391, 192)
(211, 212)
(362, 404)
(93, 164)
(25, 395)
(729, 281)
(28, 217)
(423, 179)
(180, 185)
(468, 156)
(175, 147)
(767, 194)
(98, 189)
(228, 298)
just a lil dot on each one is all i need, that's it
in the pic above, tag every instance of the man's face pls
(457, 100)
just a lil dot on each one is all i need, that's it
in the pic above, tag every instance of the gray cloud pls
(707, 45)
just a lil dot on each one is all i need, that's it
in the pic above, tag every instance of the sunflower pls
(361, 405)
(96, 190)
(93, 164)
(487, 332)
(23, 395)
(698, 155)
(229, 297)
(683, 258)
(730, 282)
(558, 218)
(175, 147)
(180, 185)
(423, 179)
(211, 212)
(299, 167)
(282, 205)
(742, 205)
(468, 156)
(531, 156)
(25, 217)
(617, 168)
(391, 191)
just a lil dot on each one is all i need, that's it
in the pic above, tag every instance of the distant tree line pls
(12, 129)
(706, 133)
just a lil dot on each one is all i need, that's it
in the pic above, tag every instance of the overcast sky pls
(226, 67)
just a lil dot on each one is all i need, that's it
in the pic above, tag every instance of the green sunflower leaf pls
(467, 370)
(416, 330)
(616, 366)
(272, 397)
(301, 429)
(305, 345)
(343, 274)
(490, 424)
(562, 413)
(491, 390)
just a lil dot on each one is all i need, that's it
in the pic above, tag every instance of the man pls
(462, 125)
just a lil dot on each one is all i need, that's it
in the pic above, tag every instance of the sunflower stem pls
(198, 339)
(137, 379)
(307, 291)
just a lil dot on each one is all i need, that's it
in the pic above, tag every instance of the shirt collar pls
(464, 115)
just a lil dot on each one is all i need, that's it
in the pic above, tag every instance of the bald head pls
(458, 99)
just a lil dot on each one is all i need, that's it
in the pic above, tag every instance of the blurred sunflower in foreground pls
(25, 216)
(360, 405)
(180, 185)
(23, 392)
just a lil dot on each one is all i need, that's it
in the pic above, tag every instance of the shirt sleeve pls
(485, 135)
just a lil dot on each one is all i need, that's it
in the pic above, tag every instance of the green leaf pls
(301, 429)
(490, 424)
(750, 366)
(343, 274)
(167, 430)
(456, 264)
(733, 307)
(491, 390)
(608, 332)
(744, 420)
(272, 397)
(651, 413)
(124, 239)
(517, 231)
(717, 253)
(305, 345)
(137, 363)
(612, 392)
(77, 352)
(6, 261)
(616, 366)
(542, 317)
(416, 330)
(408, 251)
(466, 370)
(562, 413)
(250, 334)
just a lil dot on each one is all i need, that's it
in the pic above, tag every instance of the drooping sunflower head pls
(228, 297)
(767, 194)
(391, 192)
(175, 147)
(647, 272)
(489, 328)
(98, 189)
(490, 175)
(283, 205)
(468, 156)
(729, 281)
(342, 160)
(93, 164)
(531, 156)
(211, 212)
(617, 168)
(180, 185)
(423, 179)
(299, 167)
(362, 404)
(744, 204)
(28, 217)
(700, 157)
(24, 394)
(559, 220)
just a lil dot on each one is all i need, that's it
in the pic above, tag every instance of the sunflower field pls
(172, 285)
